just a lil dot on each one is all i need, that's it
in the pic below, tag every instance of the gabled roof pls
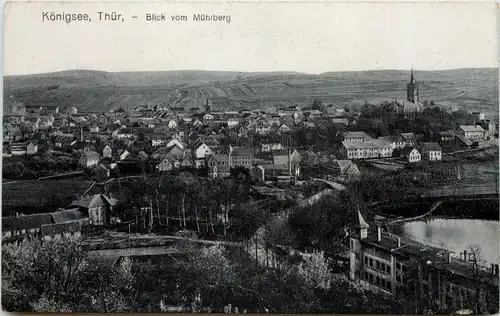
(431, 147)
(242, 151)
(471, 128)
(348, 135)
(408, 136)
(67, 215)
(408, 150)
(96, 200)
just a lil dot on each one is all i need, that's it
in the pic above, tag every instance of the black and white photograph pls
(260, 157)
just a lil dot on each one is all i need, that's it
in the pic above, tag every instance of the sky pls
(311, 37)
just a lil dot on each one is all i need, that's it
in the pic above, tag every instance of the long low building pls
(374, 148)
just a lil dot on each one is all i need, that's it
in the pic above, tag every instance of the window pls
(358, 256)
(388, 285)
(371, 262)
(378, 280)
(366, 275)
(378, 265)
(371, 277)
(398, 265)
(388, 269)
(366, 260)
(398, 277)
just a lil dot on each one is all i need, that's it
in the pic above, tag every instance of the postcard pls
(250, 157)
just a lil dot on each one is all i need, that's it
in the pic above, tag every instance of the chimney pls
(465, 255)
(493, 269)
(289, 164)
(81, 133)
(449, 257)
(379, 233)
(399, 242)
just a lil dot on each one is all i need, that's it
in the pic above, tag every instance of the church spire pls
(411, 80)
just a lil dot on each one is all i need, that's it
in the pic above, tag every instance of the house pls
(44, 224)
(54, 109)
(396, 141)
(166, 164)
(479, 116)
(262, 128)
(176, 152)
(94, 128)
(90, 159)
(385, 148)
(385, 263)
(18, 149)
(201, 151)
(273, 171)
(71, 110)
(219, 172)
(410, 139)
(33, 109)
(359, 149)
(107, 152)
(97, 207)
(283, 128)
(411, 154)
(355, 137)
(268, 147)
(431, 151)
(176, 140)
(472, 132)
(32, 148)
(83, 146)
(217, 160)
(345, 169)
(287, 157)
(240, 157)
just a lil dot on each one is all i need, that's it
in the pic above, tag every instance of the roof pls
(359, 145)
(471, 128)
(431, 147)
(96, 200)
(407, 150)
(242, 151)
(348, 135)
(359, 221)
(67, 215)
(408, 136)
(26, 221)
(276, 167)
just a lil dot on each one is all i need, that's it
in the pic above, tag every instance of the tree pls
(315, 273)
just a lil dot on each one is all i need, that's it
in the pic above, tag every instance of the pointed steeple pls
(411, 79)
(359, 225)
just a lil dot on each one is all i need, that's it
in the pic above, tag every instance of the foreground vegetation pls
(56, 276)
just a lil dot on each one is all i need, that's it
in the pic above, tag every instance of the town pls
(317, 187)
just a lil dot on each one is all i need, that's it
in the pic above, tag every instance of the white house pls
(472, 132)
(411, 154)
(201, 151)
(431, 151)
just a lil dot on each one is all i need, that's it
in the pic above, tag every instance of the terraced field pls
(473, 89)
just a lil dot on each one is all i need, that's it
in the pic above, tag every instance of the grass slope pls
(472, 89)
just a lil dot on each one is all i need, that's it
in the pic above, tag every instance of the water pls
(458, 235)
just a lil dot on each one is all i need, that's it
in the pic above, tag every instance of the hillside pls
(472, 89)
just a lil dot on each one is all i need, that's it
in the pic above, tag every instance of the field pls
(471, 89)
(35, 196)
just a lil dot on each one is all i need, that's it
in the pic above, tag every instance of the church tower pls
(208, 105)
(412, 90)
